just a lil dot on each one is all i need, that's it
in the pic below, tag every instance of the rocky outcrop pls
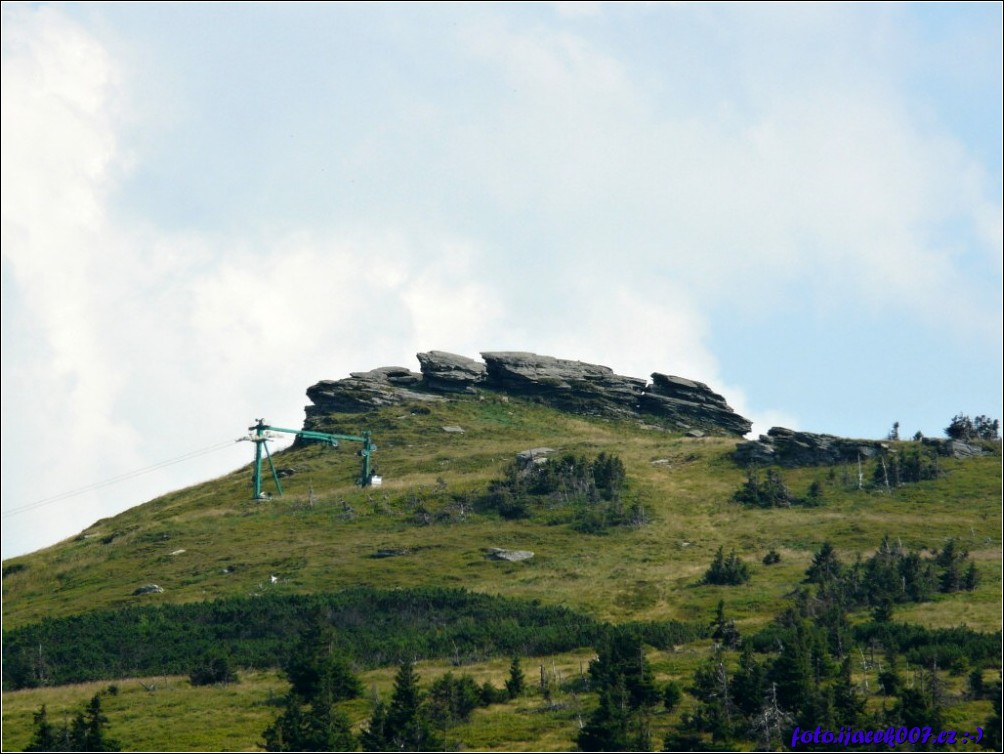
(786, 447)
(573, 386)
(691, 405)
(450, 373)
(954, 448)
(363, 391)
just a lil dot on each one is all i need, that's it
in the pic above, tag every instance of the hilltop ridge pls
(574, 386)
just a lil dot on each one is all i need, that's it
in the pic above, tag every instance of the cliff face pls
(573, 386)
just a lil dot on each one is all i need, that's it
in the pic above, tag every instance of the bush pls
(727, 571)
(211, 670)
(772, 557)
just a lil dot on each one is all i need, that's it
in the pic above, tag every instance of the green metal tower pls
(260, 439)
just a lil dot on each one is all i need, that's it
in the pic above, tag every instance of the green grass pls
(151, 714)
(212, 541)
(232, 546)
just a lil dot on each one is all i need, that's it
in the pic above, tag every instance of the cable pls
(116, 479)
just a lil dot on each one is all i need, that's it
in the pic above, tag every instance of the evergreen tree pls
(92, 735)
(318, 680)
(727, 571)
(622, 655)
(749, 684)
(971, 579)
(452, 700)
(923, 703)
(724, 630)
(627, 692)
(826, 567)
(671, 696)
(791, 672)
(404, 725)
(950, 561)
(45, 737)
(315, 670)
(608, 726)
(376, 736)
(848, 704)
(716, 712)
(992, 740)
(213, 668)
(316, 726)
(516, 683)
(86, 732)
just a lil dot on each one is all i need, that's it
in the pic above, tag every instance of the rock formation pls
(449, 373)
(786, 447)
(363, 391)
(684, 399)
(573, 386)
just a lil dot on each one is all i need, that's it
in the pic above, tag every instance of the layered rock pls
(571, 385)
(691, 404)
(574, 386)
(363, 391)
(786, 447)
(450, 373)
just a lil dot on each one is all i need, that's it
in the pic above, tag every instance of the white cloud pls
(570, 195)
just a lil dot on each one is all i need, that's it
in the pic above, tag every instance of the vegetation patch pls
(369, 626)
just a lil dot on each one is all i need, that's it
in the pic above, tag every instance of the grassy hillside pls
(212, 541)
(324, 535)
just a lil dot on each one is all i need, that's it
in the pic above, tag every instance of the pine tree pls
(404, 724)
(716, 714)
(45, 737)
(627, 690)
(316, 725)
(375, 736)
(791, 672)
(516, 683)
(608, 725)
(723, 630)
(86, 732)
(749, 683)
(848, 704)
(318, 680)
(93, 736)
(826, 566)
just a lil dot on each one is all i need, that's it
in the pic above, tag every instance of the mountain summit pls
(574, 386)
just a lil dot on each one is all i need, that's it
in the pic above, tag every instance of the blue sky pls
(209, 207)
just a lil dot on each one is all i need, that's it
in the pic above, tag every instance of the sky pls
(206, 208)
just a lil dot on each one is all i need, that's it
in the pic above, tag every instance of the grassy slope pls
(646, 573)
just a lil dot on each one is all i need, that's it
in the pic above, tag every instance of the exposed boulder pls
(692, 405)
(786, 447)
(954, 448)
(362, 391)
(450, 373)
(533, 456)
(571, 385)
(497, 553)
(148, 589)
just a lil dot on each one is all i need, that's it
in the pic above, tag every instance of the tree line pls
(372, 627)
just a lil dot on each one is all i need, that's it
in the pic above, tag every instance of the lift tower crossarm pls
(259, 438)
